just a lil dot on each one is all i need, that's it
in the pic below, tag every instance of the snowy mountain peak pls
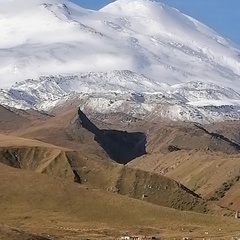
(138, 8)
(134, 5)
(57, 37)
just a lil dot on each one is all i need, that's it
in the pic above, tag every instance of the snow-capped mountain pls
(136, 55)
(42, 37)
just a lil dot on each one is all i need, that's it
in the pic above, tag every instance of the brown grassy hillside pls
(136, 183)
(195, 153)
(204, 162)
(98, 173)
(10, 121)
(64, 210)
(7, 233)
(212, 175)
(35, 156)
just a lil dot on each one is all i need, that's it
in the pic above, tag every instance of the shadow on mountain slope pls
(121, 146)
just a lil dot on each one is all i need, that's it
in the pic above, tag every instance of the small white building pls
(125, 238)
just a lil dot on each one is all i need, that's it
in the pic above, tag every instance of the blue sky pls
(221, 15)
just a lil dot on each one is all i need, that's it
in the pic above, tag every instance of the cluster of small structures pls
(138, 238)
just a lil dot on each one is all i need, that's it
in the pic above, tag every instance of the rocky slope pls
(194, 101)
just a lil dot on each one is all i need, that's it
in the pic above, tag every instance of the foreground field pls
(52, 206)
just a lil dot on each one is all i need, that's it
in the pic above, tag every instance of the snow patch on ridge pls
(120, 91)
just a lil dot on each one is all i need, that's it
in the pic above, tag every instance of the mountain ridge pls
(129, 93)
